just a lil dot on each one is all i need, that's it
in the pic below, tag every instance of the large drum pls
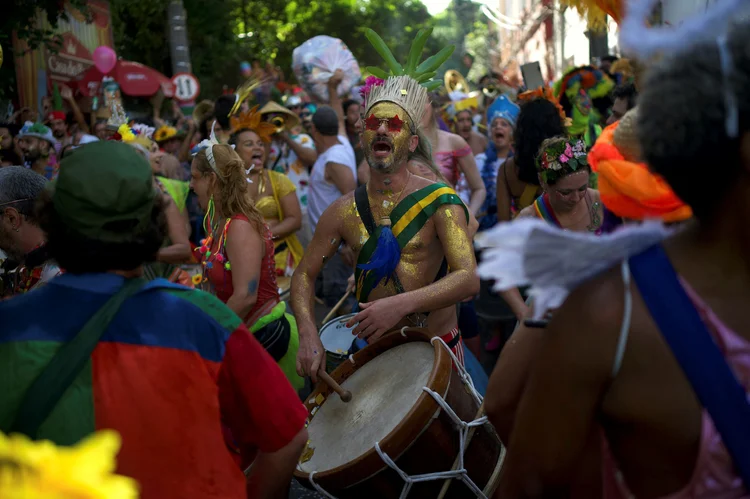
(402, 386)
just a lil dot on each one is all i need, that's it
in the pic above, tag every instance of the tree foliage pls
(22, 17)
(271, 30)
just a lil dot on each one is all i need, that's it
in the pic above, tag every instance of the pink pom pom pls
(219, 257)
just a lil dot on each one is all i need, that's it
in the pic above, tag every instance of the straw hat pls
(291, 120)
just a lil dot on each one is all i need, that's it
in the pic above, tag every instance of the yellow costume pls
(288, 250)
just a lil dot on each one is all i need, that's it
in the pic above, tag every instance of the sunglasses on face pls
(394, 124)
(304, 116)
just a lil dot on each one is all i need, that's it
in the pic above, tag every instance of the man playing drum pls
(405, 230)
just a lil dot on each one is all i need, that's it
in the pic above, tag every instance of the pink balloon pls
(104, 59)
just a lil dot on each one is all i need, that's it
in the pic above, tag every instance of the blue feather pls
(386, 256)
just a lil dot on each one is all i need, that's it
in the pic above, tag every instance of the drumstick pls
(336, 307)
(345, 395)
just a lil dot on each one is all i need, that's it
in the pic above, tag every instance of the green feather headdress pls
(406, 85)
(423, 72)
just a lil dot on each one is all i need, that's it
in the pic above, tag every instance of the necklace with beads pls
(212, 257)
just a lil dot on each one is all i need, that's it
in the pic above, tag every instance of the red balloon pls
(104, 59)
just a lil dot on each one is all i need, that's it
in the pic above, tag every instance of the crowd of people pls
(161, 255)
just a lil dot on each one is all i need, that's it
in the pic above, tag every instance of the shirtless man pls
(464, 127)
(436, 239)
(591, 373)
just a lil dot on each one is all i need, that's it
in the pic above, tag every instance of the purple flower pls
(568, 151)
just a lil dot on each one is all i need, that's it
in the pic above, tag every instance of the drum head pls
(384, 391)
(335, 336)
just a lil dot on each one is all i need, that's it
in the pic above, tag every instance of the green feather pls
(377, 72)
(417, 47)
(426, 77)
(381, 48)
(57, 103)
(437, 60)
(433, 85)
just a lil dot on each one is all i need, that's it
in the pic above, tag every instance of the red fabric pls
(177, 389)
(56, 115)
(221, 278)
(263, 411)
(163, 402)
(458, 349)
(134, 79)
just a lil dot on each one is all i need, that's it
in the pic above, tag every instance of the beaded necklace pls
(211, 257)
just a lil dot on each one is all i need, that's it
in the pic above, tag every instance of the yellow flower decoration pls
(41, 470)
(126, 133)
(197, 279)
(165, 133)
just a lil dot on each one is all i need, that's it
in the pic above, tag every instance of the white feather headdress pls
(403, 91)
(208, 144)
(554, 261)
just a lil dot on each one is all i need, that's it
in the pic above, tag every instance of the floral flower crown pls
(562, 158)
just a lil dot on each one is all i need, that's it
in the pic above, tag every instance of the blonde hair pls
(233, 197)
(423, 154)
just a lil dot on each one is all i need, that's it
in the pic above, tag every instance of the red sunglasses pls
(395, 124)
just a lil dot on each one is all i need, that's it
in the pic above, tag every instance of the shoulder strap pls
(694, 348)
(363, 207)
(527, 196)
(48, 388)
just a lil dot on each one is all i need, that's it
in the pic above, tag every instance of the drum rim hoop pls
(398, 440)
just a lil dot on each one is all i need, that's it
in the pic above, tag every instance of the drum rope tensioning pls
(458, 472)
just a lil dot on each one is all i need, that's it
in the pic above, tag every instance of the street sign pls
(186, 87)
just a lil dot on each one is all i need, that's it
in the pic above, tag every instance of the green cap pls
(105, 191)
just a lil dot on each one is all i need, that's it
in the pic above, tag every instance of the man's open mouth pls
(381, 148)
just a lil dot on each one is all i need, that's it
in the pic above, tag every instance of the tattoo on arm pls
(252, 287)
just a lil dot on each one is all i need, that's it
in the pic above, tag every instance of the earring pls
(15, 229)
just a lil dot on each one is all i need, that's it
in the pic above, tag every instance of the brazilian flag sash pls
(407, 219)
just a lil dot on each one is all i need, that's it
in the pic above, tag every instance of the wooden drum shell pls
(420, 443)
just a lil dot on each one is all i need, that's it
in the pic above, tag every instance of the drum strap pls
(697, 353)
(407, 219)
(48, 388)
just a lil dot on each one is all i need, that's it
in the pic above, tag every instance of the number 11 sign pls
(186, 87)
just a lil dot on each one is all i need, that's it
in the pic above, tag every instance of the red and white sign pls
(186, 87)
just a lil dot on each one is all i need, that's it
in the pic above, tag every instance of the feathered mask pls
(252, 120)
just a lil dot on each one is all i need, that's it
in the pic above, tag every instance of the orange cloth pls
(629, 189)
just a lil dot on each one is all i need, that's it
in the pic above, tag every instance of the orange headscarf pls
(628, 189)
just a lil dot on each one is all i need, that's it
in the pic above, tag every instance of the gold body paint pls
(399, 141)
